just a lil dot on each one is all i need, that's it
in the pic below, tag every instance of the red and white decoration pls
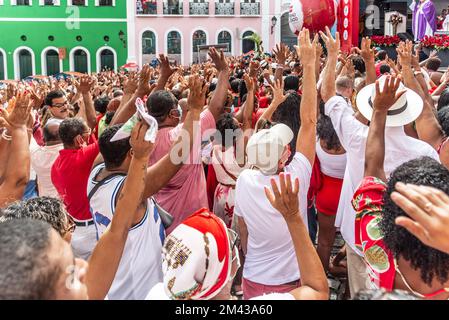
(314, 15)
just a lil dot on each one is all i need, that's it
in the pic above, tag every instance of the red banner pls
(62, 53)
(348, 24)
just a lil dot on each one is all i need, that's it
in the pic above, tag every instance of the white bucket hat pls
(265, 147)
(403, 112)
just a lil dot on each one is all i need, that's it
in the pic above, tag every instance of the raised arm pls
(375, 143)
(106, 256)
(313, 278)
(218, 99)
(127, 110)
(161, 172)
(368, 56)
(305, 142)
(278, 98)
(427, 124)
(165, 72)
(328, 85)
(17, 170)
(84, 86)
(281, 53)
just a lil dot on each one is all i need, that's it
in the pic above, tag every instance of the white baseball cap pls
(266, 147)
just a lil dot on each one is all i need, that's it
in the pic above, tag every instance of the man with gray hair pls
(43, 158)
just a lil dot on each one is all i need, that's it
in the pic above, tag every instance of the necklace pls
(422, 296)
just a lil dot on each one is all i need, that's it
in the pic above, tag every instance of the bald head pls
(51, 132)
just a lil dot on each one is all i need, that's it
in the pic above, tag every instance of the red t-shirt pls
(69, 175)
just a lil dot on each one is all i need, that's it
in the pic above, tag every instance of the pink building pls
(178, 27)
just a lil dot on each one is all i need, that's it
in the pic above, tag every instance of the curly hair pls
(443, 101)
(326, 132)
(225, 123)
(443, 119)
(46, 209)
(27, 271)
(288, 114)
(431, 262)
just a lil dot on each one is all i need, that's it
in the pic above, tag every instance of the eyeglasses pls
(60, 105)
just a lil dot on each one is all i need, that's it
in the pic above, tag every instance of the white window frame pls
(191, 39)
(14, 3)
(44, 61)
(56, 3)
(16, 61)
(70, 3)
(141, 43)
(72, 60)
(232, 38)
(182, 43)
(97, 3)
(5, 64)
(99, 57)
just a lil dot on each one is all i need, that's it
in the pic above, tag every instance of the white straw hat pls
(403, 112)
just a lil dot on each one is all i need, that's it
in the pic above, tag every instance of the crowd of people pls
(230, 179)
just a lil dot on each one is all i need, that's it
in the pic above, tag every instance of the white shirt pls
(399, 148)
(140, 267)
(42, 160)
(332, 165)
(270, 258)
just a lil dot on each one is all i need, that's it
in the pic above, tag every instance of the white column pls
(277, 28)
(266, 25)
(131, 30)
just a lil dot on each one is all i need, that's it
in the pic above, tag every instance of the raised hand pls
(218, 59)
(332, 45)
(281, 53)
(284, 200)
(254, 68)
(367, 53)
(130, 84)
(141, 148)
(197, 95)
(21, 108)
(165, 70)
(428, 214)
(144, 87)
(405, 53)
(249, 82)
(37, 99)
(278, 92)
(306, 49)
(388, 96)
(85, 84)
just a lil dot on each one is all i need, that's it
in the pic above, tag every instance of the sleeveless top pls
(332, 165)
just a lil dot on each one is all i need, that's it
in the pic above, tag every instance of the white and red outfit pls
(227, 171)
(332, 168)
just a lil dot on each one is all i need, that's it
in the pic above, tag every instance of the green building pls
(45, 37)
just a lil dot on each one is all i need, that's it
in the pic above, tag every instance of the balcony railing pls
(146, 7)
(224, 9)
(250, 9)
(199, 8)
(173, 9)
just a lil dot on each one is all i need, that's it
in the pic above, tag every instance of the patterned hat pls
(197, 258)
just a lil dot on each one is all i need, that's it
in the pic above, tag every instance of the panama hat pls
(406, 110)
